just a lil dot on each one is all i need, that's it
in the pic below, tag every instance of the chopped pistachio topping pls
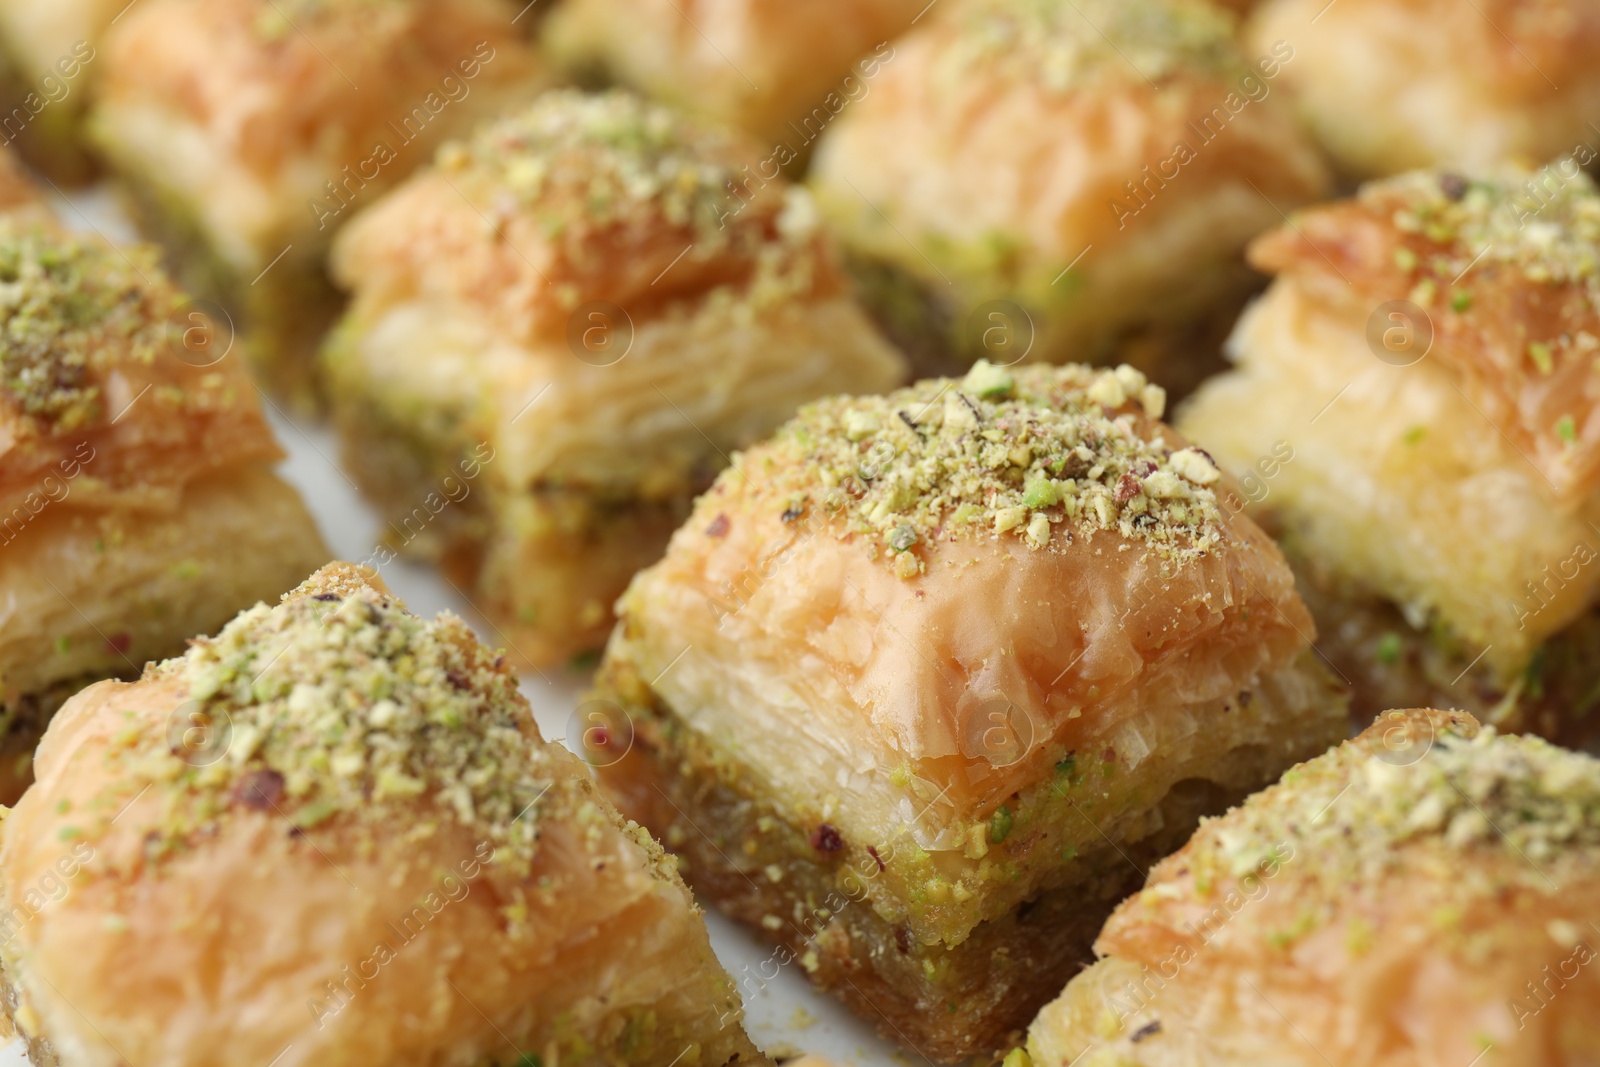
(68, 308)
(1045, 454)
(1064, 45)
(342, 704)
(1552, 236)
(611, 157)
(1353, 811)
(281, 19)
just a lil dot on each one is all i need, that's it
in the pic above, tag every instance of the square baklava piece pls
(1065, 181)
(556, 337)
(1423, 894)
(928, 680)
(246, 132)
(330, 835)
(1388, 86)
(1415, 409)
(779, 71)
(138, 506)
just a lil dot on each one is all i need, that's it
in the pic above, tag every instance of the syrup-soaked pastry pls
(137, 501)
(780, 71)
(1416, 405)
(1387, 86)
(1423, 895)
(332, 835)
(248, 131)
(941, 671)
(48, 68)
(565, 380)
(1053, 179)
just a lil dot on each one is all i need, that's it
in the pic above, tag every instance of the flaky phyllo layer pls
(1418, 895)
(1428, 354)
(627, 323)
(979, 621)
(390, 859)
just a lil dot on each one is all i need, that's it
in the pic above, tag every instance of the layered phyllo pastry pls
(1415, 405)
(781, 72)
(927, 681)
(1066, 178)
(1423, 895)
(48, 69)
(560, 332)
(1391, 85)
(246, 132)
(137, 501)
(332, 834)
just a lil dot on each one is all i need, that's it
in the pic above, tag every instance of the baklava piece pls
(48, 68)
(1415, 408)
(248, 131)
(564, 379)
(779, 71)
(1423, 895)
(330, 835)
(1064, 178)
(137, 501)
(928, 680)
(1387, 86)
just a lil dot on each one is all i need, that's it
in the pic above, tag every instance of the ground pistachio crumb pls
(1063, 46)
(1046, 455)
(581, 164)
(1352, 812)
(1490, 219)
(342, 704)
(68, 309)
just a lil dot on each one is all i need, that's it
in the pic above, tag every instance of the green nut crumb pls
(999, 825)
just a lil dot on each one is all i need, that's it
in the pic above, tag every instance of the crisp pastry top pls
(344, 706)
(1130, 94)
(760, 65)
(1506, 267)
(581, 198)
(1514, 53)
(96, 369)
(322, 777)
(272, 76)
(1465, 815)
(1033, 536)
(1065, 47)
(1392, 901)
(290, 92)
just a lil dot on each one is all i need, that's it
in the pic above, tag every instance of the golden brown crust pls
(1418, 894)
(92, 593)
(1167, 150)
(477, 286)
(1392, 86)
(109, 372)
(494, 939)
(277, 82)
(1133, 605)
(1504, 267)
(758, 65)
(582, 198)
